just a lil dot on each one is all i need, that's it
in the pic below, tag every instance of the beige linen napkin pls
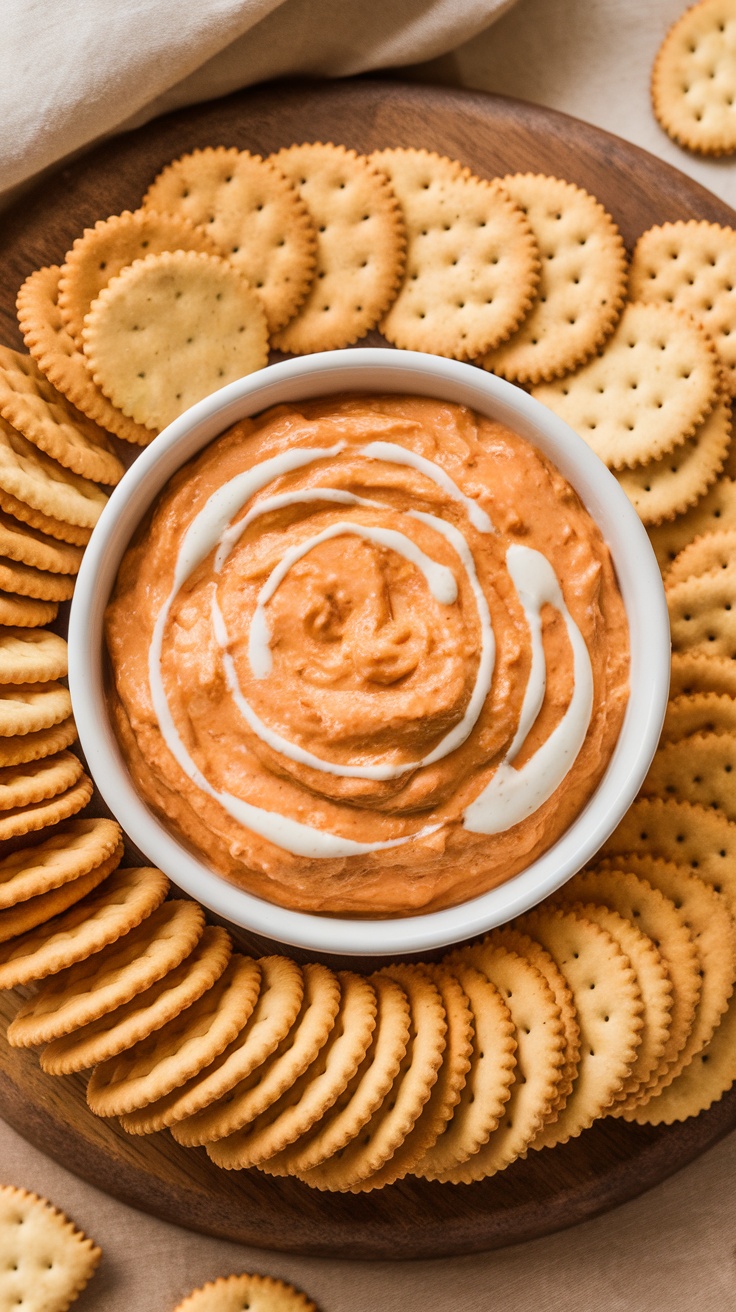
(72, 71)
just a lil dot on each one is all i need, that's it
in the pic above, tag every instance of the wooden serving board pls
(613, 1161)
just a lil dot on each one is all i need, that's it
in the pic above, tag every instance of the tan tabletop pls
(671, 1250)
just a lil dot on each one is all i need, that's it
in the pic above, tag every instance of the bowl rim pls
(375, 370)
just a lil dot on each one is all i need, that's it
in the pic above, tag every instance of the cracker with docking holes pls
(26, 707)
(274, 1013)
(655, 914)
(20, 748)
(698, 713)
(582, 282)
(472, 264)
(394, 1119)
(689, 835)
(255, 1093)
(451, 1071)
(258, 1293)
(365, 1092)
(693, 267)
(488, 1081)
(653, 384)
(181, 1048)
(63, 856)
(29, 476)
(698, 768)
(23, 916)
(28, 546)
(127, 1025)
(715, 510)
(45, 1262)
(692, 673)
(361, 246)
(664, 488)
(169, 330)
(655, 987)
(702, 614)
(102, 252)
(28, 817)
(694, 79)
(256, 216)
(102, 983)
(126, 898)
(22, 785)
(27, 581)
(60, 359)
(26, 612)
(32, 657)
(305, 1101)
(540, 1059)
(704, 1080)
(33, 406)
(610, 1015)
(710, 552)
(524, 946)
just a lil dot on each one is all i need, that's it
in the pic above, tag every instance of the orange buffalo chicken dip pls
(368, 655)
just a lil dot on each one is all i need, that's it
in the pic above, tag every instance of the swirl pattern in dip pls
(369, 655)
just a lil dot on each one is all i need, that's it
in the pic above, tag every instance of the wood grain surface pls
(611, 1162)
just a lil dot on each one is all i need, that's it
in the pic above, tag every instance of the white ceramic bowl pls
(374, 371)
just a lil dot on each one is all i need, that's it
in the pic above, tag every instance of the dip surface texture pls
(368, 655)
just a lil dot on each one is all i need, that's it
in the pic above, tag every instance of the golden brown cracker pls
(392, 1122)
(692, 265)
(122, 901)
(694, 77)
(702, 614)
(274, 1012)
(692, 673)
(33, 406)
(258, 1293)
(709, 552)
(66, 854)
(360, 251)
(365, 1092)
(715, 510)
(689, 835)
(45, 1262)
(709, 1075)
(26, 915)
(61, 360)
(26, 612)
(26, 581)
(609, 1011)
(121, 1029)
(582, 282)
(540, 1060)
(29, 817)
(472, 264)
(31, 477)
(70, 534)
(664, 488)
(656, 380)
(171, 329)
(255, 1093)
(254, 213)
(701, 712)
(20, 748)
(26, 707)
(27, 545)
(98, 985)
(696, 768)
(102, 252)
(489, 1079)
(22, 785)
(32, 657)
(181, 1048)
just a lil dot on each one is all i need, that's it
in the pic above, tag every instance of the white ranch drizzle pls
(512, 795)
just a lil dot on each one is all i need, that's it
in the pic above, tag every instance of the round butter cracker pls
(694, 79)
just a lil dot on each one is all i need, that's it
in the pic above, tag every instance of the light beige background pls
(673, 1250)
